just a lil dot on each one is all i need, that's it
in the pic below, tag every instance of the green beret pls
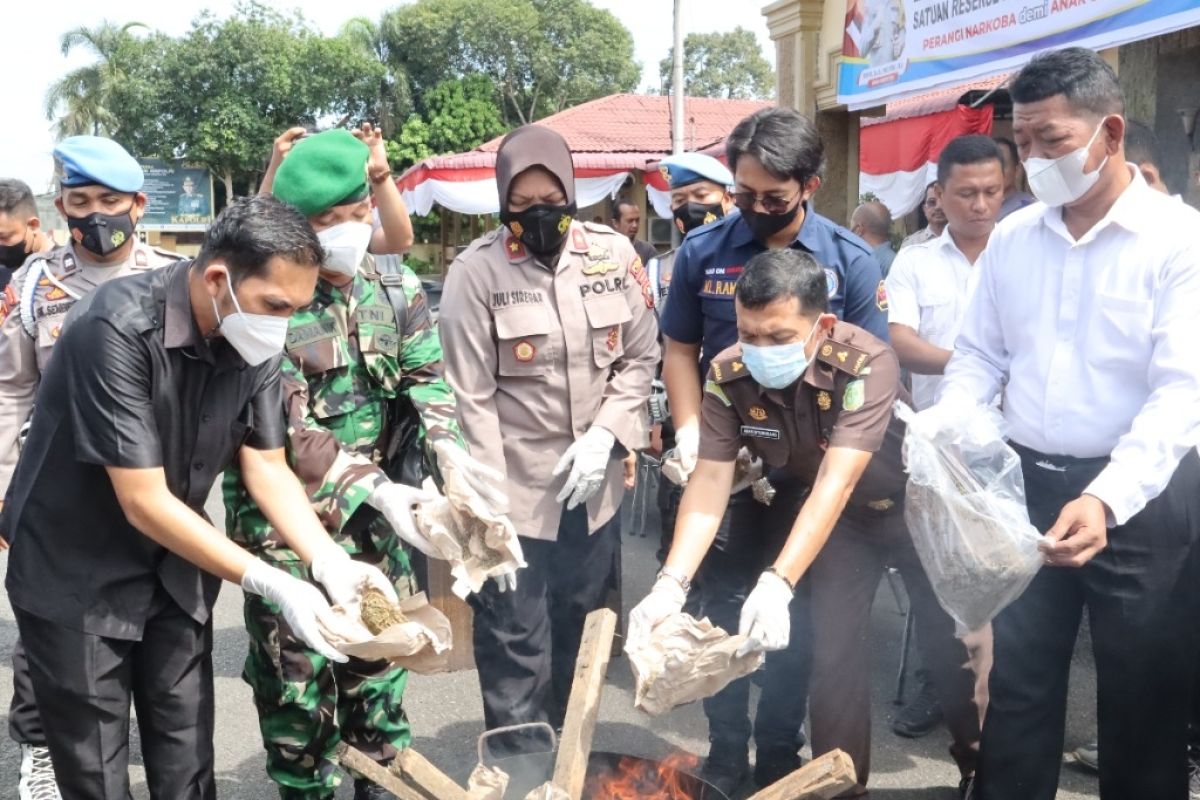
(323, 171)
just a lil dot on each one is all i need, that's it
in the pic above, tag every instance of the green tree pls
(729, 65)
(82, 100)
(229, 87)
(460, 114)
(391, 101)
(541, 55)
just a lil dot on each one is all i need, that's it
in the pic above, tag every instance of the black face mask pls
(690, 216)
(101, 233)
(764, 226)
(542, 228)
(13, 255)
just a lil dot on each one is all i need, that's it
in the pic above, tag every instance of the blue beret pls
(94, 159)
(686, 168)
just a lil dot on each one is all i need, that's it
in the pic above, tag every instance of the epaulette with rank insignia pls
(728, 369)
(842, 356)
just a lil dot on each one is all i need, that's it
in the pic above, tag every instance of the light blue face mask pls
(778, 365)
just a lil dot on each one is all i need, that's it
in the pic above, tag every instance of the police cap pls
(90, 160)
(688, 168)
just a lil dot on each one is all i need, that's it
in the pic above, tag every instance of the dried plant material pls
(377, 612)
(478, 542)
(487, 783)
(684, 660)
(965, 509)
(747, 473)
(548, 791)
(421, 642)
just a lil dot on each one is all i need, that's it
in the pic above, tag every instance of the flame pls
(642, 779)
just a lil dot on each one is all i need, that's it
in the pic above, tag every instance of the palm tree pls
(392, 95)
(84, 94)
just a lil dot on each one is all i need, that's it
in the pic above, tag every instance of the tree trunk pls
(227, 180)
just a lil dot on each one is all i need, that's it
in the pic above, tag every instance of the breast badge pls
(524, 351)
(758, 413)
(824, 401)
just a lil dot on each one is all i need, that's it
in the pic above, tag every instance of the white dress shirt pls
(1095, 342)
(928, 289)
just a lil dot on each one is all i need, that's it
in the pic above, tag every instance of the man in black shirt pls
(159, 382)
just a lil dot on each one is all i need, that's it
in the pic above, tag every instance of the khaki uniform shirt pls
(536, 356)
(65, 277)
(843, 399)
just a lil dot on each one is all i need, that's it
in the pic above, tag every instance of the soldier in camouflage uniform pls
(350, 360)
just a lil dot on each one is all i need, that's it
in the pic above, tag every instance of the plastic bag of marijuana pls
(965, 509)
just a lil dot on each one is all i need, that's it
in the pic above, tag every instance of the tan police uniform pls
(844, 399)
(536, 356)
(31, 319)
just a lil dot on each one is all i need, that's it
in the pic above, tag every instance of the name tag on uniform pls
(757, 432)
(375, 315)
(306, 334)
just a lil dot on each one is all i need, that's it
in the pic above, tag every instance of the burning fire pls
(643, 779)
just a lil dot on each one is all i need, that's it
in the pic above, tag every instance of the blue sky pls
(33, 61)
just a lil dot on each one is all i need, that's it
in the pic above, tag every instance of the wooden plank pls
(417, 770)
(820, 779)
(575, 744)
(437, 587)
(354, 759)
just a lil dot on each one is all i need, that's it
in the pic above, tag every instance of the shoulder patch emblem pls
(881, 301)
(844, 357)
(855, 395)
(714, 388)
(831, 281)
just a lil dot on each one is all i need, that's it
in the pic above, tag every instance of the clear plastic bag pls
(965, 509)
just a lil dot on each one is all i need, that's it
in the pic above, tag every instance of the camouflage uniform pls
(347, 362)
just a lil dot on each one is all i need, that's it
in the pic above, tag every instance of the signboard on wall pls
(179, 196)
(896, 48)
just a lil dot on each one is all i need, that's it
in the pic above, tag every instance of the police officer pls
(700, 194)
(21, 233)
(550, 348)
(813, 396)
(100, 195)
(776, 156)
(356, 352)
(159, 382)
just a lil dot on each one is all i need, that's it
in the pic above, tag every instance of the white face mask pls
(345, 246)
(256, 337)
(1059, 181)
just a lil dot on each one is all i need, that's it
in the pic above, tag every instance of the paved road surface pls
(447, 714)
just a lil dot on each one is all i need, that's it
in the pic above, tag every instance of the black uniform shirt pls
(134, 384)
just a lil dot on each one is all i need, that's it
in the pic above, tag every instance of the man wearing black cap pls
(100, 194)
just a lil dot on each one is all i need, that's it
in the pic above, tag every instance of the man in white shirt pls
(929, 288)
(1086, 317)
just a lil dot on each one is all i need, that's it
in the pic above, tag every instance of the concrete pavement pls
(447, 715)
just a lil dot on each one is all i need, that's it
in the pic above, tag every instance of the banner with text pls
(895, 48)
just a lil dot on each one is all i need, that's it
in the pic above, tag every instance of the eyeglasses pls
(772, 204)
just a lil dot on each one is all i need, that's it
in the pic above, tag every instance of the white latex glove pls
(765, 621)
(666, 598)
(343, 577)
(301, 604)
(687, 447)
(480, 478)
(506, 581)
(587, 458)
(395, 501)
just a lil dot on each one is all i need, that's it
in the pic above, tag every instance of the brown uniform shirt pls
(64, 276)
(843, 399)
(536, 356)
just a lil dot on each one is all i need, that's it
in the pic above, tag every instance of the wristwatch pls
(678, 577)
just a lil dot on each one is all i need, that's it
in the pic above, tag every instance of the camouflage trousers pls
(308, 704)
